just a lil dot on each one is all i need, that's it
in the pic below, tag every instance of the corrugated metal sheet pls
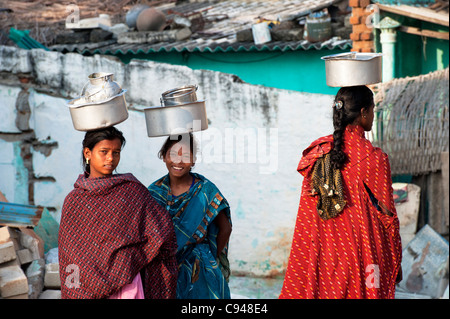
(407, 2)
(222, 20)
(197, 46)
(19, 215)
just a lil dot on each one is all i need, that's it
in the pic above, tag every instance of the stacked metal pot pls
(101, 103)
(180, 112)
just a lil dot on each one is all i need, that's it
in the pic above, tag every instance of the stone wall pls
(250, 150)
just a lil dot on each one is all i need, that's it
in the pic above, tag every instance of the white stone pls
(408, 212)
(51, 257)
(51, 277)
(35, 276)
(12, 281)
(50, 294)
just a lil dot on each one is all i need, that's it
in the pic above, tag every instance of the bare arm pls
(224, 231)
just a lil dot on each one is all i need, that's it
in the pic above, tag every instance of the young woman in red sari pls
(346, 242)
(115, 241)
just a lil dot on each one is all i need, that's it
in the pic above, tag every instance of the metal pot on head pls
(100, 87)
(95, 115)
(180, 112)
(181, 95)
(101, 104)
(353, 68)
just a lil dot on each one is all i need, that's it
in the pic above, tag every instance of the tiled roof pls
(222, 19)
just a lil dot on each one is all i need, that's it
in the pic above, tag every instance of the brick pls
(7, 252)
(363, 45)
(360, 28)
(13, 281)
(367, 50)
(358, 3)
(355, 20)
(51, 277)
(355, 36)
(366, 36)
(50, 294)
(359, 12)
(364, 3)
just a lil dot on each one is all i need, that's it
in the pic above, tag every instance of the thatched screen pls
(411, 122)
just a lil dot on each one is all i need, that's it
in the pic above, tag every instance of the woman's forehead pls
(109, 144)
(184, 147)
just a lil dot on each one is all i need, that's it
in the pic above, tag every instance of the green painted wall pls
(416, 55)
(302, 70)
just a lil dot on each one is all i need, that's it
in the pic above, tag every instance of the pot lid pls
(80, 101)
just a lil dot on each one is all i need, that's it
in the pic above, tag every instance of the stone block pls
(408, 211)
(35, 275)
(7, 252)
(51, 277)
(244, 35)
(71, 37)
(51, 257)
(50, 294)
(287, 35)
(154, 36)
(30, 241)
(21, 296)
(13, 281)
(24, 255)
(14, 262)
(7, 233)
(99, 35)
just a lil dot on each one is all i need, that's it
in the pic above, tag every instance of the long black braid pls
(347, 106)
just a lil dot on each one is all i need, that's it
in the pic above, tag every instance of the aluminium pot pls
(99, 87)
(91, 116)
(176, 119)
(181, 95)
(353, 68)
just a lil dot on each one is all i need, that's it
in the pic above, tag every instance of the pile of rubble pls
(25, 272)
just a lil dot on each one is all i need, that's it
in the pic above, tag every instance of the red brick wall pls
(362, 35)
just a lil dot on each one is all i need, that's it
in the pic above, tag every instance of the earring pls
(364, 116)
(87, 161)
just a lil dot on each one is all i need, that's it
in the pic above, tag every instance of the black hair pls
(347, 106)
(173, 139)
(91, 138)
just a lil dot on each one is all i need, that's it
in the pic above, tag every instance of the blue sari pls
(201, 274)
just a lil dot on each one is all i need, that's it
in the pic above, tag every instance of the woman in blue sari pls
(202, 221)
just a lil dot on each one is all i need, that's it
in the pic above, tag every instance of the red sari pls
(358, 253)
